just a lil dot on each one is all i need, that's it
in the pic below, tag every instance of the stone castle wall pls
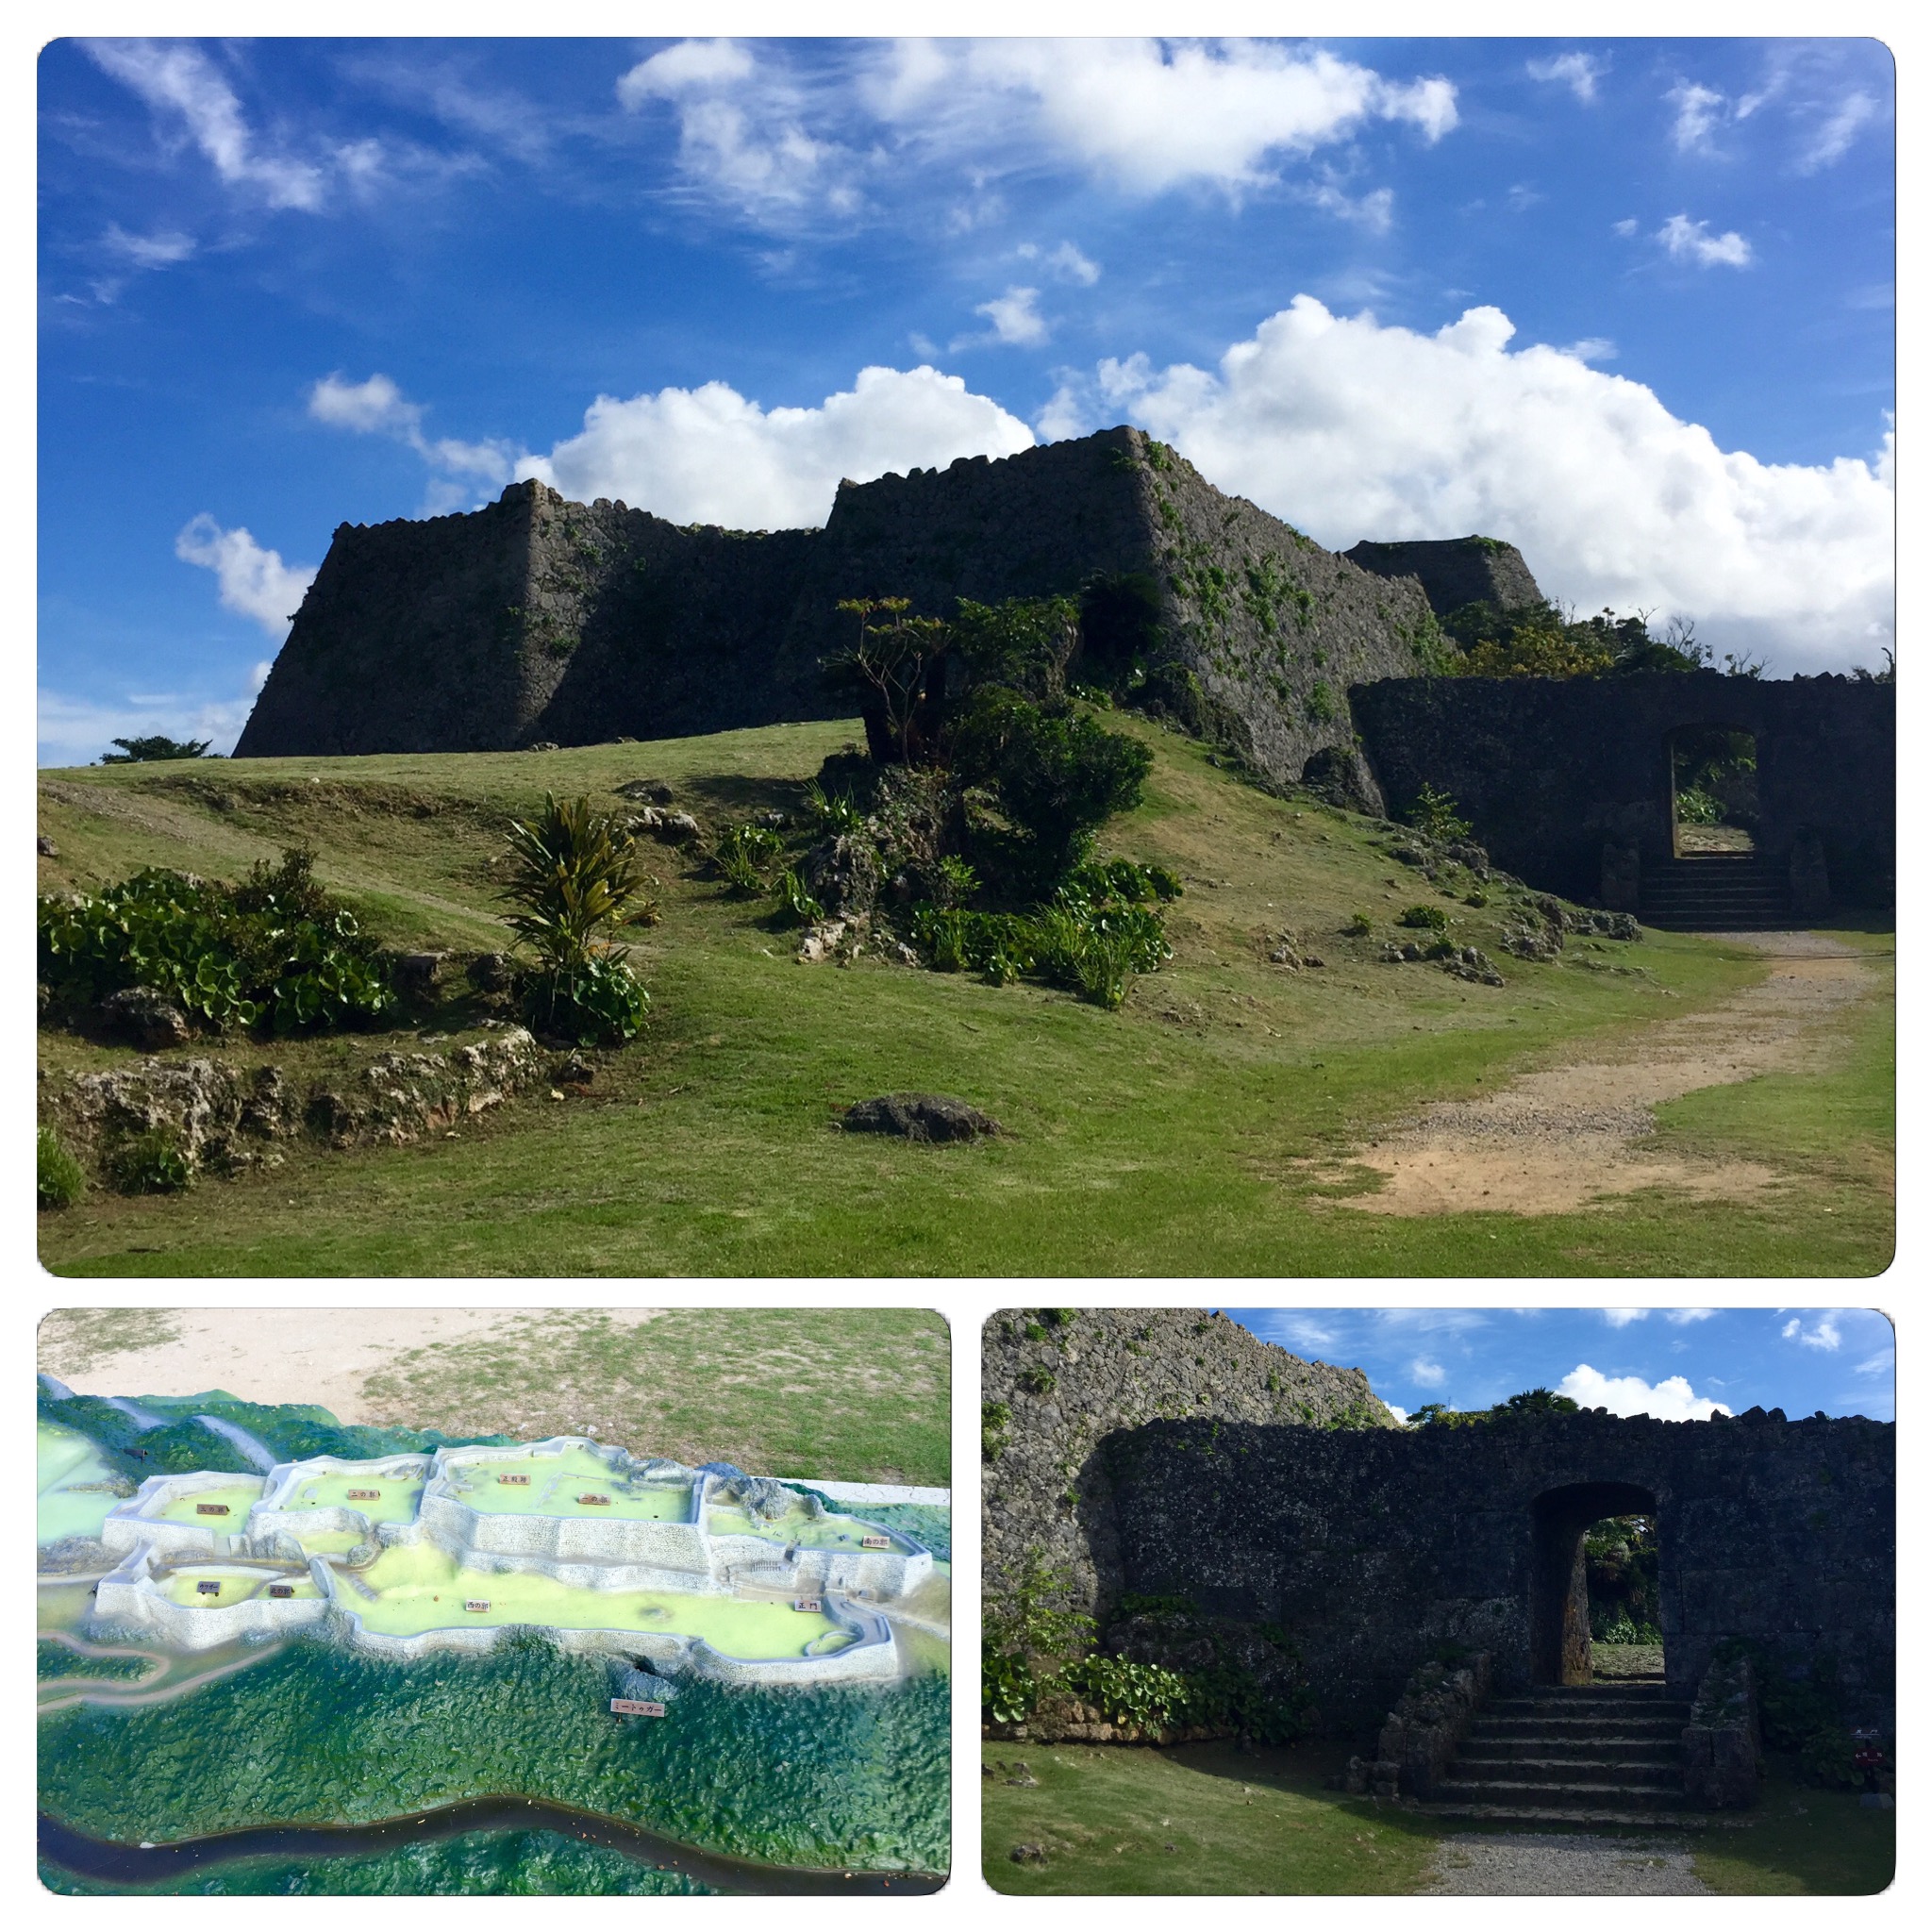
(1550, 770)
(1371, 1547)
(536, 619)
(1054, 1396)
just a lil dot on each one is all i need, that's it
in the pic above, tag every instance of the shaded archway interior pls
(1559, 1586)
(1713, 770)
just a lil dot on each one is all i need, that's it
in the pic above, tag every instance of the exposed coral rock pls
(921, 1117)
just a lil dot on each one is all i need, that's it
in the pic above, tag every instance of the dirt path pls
(1475, 1864)
(1556, 1140)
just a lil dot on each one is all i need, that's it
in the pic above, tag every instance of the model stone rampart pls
(606, 1555)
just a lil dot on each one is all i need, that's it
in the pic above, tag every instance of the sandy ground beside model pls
(323, 1356)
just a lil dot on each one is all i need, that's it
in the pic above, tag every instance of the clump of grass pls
(150, 1163)
(1359, 926)
(61, 1178)
(1423, 918)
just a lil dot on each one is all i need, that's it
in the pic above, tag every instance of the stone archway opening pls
(1713, 789)
(1562, 1520)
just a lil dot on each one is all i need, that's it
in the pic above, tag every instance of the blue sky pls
(1674, 1363)
(1627, 304)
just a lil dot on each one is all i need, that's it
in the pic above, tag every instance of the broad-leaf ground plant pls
(275, 951)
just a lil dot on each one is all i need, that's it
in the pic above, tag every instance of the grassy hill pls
(1194, 1132)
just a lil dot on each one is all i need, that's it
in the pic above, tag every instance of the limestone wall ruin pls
(539, 619)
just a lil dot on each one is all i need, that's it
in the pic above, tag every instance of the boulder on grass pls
(146, 1016)
(921, 1117)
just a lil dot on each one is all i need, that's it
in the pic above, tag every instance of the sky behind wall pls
(1676, 1364)
(1627, 305)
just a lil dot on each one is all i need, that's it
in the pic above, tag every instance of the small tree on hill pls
(145, 751)
(891, 662)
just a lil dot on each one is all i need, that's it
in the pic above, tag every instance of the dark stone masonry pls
(1568, 781)
(538, 620)
(1169, 1452)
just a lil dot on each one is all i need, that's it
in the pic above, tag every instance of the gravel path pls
(1475, 1864)
(1558, 1139)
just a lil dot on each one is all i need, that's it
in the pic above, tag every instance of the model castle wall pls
(604, 1553)
(540, 620)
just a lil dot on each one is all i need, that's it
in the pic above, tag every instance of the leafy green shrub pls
(1058, 776)
(275, 948)
(995, 1418)
(1130, 1694)
(1433, 814)
(1699, 808)
(596, 1001)
(834, 811)
(1037, 1380)
(954, 881)
(150, 1163)
(55, 1660)
(795, 901)
(743, 857)
(1319, 705)
(1424, 918)
(61, 1177)
(1359, 926)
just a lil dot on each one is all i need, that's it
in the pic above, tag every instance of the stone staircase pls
(1717, 892)
(1606, 1753)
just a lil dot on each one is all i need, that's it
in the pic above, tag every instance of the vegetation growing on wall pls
(1544, 639)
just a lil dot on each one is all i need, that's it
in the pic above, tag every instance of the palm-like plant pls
(574, 879)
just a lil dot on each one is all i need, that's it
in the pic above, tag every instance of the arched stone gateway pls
(1570, 784)
(1371, 1548)
(1558, 1590)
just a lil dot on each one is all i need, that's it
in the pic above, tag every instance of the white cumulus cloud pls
(1580, 73)
(1672, 1400)
(1015, 316)
(1352, 428)
(1682, 1318)
(1686, 241)
(253, 581)
(711, 454)
(1429, 1374)
(377, 407)
(1400, 1414)
(1151, 115)
(1825, 1333)
(1066, 261)
(1621, 1318)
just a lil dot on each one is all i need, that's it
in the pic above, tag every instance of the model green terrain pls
(139, 1742)
(1196, 1132)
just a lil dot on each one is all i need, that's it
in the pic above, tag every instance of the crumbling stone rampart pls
(1455, 570)
(1055, 1382)
(1568, 780)
(536, 620)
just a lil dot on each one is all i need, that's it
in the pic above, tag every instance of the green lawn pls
(1212, 1819)
(1170, 1138)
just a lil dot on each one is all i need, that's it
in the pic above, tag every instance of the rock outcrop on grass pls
(921, 1117)
(219, 1118)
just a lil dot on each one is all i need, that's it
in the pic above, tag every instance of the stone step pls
(1577, 1730)
(1479, 1749)
(1572, 1814)
(1646, 1703)
(1602, 1793)
(1649, 1772)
